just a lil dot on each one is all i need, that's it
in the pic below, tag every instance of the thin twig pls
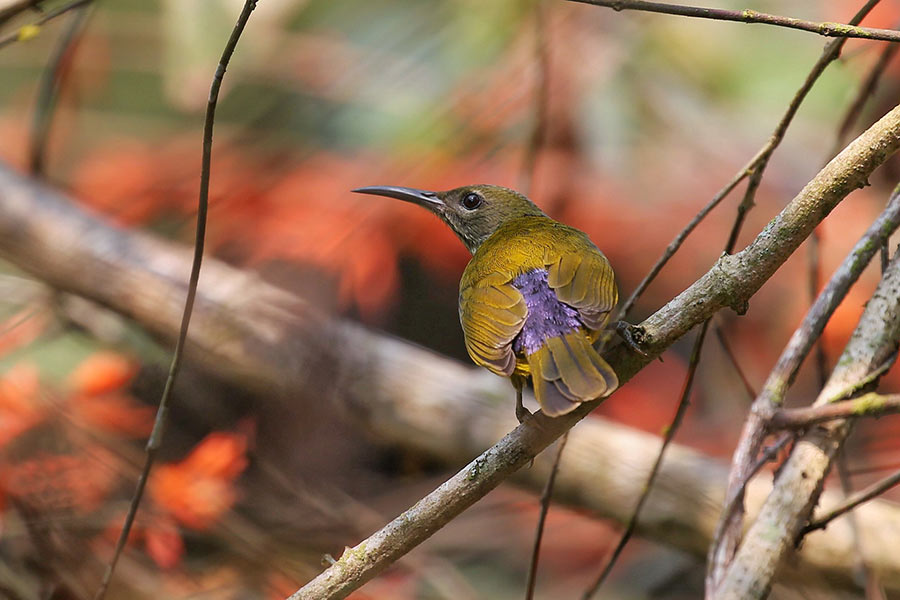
(748, 387)
(753, 169)
(865, 91)
(863, 382)
(766, 455)
(546, 496)
(827, 29)
(155, 440)
(868, 405)
(683, 403)
(52, 81)
(852, 502)
(876, 468)
(676, 243)
(728, 530)
(21, 320)
(693, 365)
(671, 430)
(829, 54)
(15, 36)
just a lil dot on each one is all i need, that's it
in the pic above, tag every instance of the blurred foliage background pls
(640, 118)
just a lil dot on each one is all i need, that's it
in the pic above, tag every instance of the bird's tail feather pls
(567, 371)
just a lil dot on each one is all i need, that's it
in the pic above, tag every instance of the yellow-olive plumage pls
(534, 297)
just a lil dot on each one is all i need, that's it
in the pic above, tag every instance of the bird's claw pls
(631, 334)
(522, 413)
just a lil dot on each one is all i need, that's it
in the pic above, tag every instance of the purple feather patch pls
(547, 316)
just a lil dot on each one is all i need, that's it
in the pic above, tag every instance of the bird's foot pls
(522, 413)
(632, 335)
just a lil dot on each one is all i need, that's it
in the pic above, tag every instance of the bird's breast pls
(547, 317)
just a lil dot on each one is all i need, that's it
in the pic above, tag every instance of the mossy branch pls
(867, 405)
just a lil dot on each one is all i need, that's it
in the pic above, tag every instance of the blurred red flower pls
(200, 488)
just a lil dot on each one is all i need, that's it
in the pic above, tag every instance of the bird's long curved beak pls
(421, 197)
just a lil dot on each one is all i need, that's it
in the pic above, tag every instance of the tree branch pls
(826, 29)
(800, 480)
(779, 380)
(852, 501)
(868, 405)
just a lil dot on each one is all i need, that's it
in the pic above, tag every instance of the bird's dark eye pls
(471, 201)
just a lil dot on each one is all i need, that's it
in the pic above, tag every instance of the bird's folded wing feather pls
(585, 281)
(492, 313)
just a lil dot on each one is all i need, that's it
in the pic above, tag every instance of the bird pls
(534, 297)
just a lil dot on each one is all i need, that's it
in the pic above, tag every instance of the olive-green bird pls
(534, 297)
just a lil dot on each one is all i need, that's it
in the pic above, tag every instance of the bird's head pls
(473, 212)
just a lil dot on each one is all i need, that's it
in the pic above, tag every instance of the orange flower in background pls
(157, 532)
(62, 482)
(19, 406)
(101, 373)
(200, 488)
(120, 182)
(98, 400)
(163, 542)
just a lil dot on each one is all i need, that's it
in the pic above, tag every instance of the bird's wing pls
(584, 280)
(492, 313)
